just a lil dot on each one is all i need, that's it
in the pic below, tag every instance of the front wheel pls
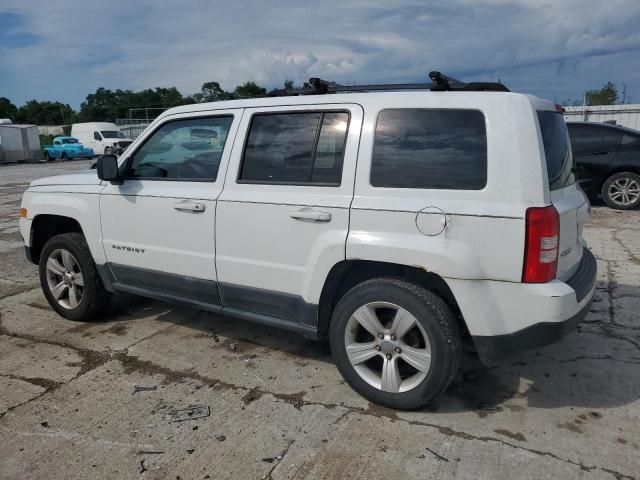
(69, 278)
(622, 191)
(396, 343)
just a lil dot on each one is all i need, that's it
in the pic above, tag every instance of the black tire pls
(433, 315)
(618, 202)
(47, 157)
(95, 297)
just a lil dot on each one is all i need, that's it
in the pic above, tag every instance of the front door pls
(158, 226)
(283, 216)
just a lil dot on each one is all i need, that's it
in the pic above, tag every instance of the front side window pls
(430, 149)
(295, 148)
(189, 149)
(70, 140)
(96, 136)
(112, 134)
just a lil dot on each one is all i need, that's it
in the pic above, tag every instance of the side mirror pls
(107, 167)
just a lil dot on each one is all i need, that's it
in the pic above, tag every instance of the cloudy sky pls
(64, 49)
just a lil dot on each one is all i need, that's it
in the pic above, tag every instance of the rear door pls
(283, 216)
(594, 147)
(568, 200)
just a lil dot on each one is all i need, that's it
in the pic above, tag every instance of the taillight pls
(541, 245)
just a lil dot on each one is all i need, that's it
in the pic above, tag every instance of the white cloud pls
(548, 48)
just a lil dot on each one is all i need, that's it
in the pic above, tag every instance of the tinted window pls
(557, 149)
(296, 148)
(430, 149)
(628, 138)
(611, 136)
(587, 136)
(96, 136)
(183, 149)
(112, 134)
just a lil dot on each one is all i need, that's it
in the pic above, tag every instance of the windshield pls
(70, 140)
(112, 134)
(557, 149)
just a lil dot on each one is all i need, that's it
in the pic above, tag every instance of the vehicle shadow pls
(596, 366)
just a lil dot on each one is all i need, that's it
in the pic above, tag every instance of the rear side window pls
(611, 136)
(296, 148)
(557, 149)
(430, 149)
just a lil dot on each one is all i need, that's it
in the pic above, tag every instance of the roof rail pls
(439, 82)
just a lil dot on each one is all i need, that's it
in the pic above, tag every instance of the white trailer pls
(19, 143)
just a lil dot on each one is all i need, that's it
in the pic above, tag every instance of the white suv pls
(395, 224)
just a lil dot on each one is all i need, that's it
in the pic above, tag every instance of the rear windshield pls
(557, 149)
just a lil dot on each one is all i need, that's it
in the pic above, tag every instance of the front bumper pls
(561, 306)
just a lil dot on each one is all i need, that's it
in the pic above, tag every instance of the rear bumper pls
(504, 318)
(494, 349)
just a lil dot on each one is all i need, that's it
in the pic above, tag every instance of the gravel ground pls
(115, 398)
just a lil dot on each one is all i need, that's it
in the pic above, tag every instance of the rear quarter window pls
(557, 149)
(430, 149)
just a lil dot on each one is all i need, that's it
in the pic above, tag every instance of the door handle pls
(187, 206)
(311, 215)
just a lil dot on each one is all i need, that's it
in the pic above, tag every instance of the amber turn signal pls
(23, 213)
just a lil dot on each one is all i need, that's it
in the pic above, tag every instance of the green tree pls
(7, 109)
(107, 105)
(212, 92)
(45, 113)
(607, 95)
(249, 89)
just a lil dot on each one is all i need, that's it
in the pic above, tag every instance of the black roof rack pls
(439, 82)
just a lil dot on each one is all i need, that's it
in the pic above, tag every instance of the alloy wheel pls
(387, 347)
(624, 191)
(64, 278)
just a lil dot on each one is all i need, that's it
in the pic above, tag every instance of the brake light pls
(541, 245)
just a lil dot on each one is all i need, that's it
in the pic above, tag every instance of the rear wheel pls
(395, 343)
(622, 191)
(47, 157)
(69, 278)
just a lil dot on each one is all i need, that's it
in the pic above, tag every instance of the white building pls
(624, 115)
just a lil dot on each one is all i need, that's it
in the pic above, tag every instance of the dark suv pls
(607, 162)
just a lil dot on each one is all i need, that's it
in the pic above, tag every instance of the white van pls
(103, 137)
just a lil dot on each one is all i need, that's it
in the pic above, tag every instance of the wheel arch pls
(45, 226)
(348, 273)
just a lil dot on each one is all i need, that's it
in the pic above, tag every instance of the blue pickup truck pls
(66, 147)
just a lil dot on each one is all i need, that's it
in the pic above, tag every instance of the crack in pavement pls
(92, 359)
(45, 383)
(279, 461)
(131, 363)
(632, 256)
